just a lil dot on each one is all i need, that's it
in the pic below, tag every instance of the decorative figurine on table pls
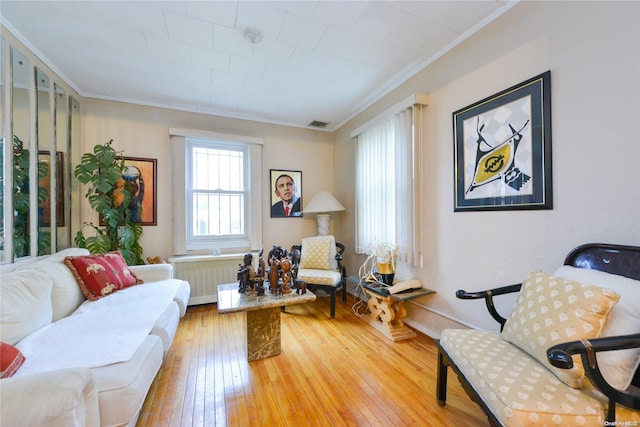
(274, 275)
(286, 275)
(300, 285)
(245, 273)
(258, 279)
(276, 254)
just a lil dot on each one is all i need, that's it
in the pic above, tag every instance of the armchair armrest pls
(560, 357)
(56, 398)
(338, 258)
(488, 299)
(152, 272)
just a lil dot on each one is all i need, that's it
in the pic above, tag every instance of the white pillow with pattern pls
(617, 367)
(552, 310)
(318, 253)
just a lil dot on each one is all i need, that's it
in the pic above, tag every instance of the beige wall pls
(144, 132)
(593, 53)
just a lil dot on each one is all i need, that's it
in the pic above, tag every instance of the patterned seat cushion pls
(320, 277)
(518, 389)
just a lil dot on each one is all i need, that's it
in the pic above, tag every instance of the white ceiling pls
(318, 60)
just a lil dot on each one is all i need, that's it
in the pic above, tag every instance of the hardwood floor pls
(332, 372)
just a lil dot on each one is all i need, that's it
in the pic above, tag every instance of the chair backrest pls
(622, 260)
(615, 259)
(319, 253)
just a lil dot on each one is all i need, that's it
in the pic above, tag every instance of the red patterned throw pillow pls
(10, 360)
(101, 275)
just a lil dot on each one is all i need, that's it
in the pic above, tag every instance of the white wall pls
(144, 132)
(593, 52)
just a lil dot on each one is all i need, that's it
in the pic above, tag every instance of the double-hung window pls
(217, 200)
(388, 181)
(217, 193)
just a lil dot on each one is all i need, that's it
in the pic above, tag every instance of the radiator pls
(205, 272)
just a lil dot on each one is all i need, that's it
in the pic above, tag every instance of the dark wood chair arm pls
(341, 248)
(560, 357)
(488, 299)
(338, 258)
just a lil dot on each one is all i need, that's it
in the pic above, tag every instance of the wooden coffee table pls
(262, 316)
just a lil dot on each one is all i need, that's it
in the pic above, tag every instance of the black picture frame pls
(502, 150)
(277, 207)
(44, 206)
(146, 189)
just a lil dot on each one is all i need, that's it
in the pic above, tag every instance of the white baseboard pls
(421, 317)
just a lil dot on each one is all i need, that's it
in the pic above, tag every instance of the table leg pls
(263, 333)
(387, 317)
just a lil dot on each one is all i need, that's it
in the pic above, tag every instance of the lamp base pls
(323, 224)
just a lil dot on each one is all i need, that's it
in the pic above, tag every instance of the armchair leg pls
(333, 302)
(611, 413)
(441, 390)
(344, 291)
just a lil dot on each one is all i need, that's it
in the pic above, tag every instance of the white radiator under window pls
(205, 272)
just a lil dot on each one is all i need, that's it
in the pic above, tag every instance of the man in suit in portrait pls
(289, 204)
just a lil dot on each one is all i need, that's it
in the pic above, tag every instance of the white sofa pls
(87, 363)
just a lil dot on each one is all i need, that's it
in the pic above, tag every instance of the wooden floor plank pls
(332, 372)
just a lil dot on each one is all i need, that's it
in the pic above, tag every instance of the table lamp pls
(322, 204)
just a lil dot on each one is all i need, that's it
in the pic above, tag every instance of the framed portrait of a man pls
(286, 193)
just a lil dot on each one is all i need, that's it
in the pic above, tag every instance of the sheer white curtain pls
(387, 186)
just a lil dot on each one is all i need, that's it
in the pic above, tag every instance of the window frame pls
(406, 120)
(182, 222)
(195, 242)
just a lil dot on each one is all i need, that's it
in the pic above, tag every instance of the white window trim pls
(408, 102)
(179, 138)
(409, 235)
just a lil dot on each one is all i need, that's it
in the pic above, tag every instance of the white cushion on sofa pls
(25, 305)
(617, 367)
(122, 387)
(66, 295)
(60, 255)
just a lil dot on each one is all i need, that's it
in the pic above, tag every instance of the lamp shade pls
(323, 202)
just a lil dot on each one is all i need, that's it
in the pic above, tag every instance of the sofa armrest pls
(488, 299)
(57, 398)
(152, 272)
(560, 357)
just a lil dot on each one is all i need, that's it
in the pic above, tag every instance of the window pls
(216, 191)
(214, 205)
(387, 184)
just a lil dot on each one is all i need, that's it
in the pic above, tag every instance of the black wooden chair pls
(319, 265)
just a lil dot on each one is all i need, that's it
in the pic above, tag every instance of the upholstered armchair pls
(320, 267)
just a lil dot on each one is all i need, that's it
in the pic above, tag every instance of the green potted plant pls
(109, 195)
(21, 201)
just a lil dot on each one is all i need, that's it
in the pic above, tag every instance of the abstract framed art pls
(502, 150)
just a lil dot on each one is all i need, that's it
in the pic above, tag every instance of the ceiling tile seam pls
(409, 72)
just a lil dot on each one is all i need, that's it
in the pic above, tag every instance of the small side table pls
(387, 311)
